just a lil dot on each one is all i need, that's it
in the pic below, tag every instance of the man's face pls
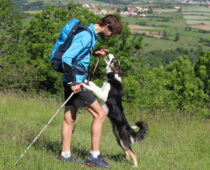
(106, 33)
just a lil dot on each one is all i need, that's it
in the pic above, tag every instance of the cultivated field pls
(174, 141)
(202, 27)
(145, 30)
(189, 24)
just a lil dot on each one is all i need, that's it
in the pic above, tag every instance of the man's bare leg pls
(67, 127)
(99, 116)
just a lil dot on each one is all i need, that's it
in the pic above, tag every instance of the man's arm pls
(80, 43)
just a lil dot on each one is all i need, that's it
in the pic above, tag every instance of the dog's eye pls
(116, 63)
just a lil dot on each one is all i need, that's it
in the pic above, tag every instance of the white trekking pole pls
(35, 139)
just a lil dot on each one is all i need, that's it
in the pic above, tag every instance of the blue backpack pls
(64, 41)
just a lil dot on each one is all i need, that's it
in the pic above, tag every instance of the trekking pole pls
(94, 70)
(43, 129)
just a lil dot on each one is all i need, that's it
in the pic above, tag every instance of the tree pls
(150, 10)
(118, 10)
(202, 71)
(179, 10)
(165, 35)
(177, 37)
(184, 86)
(10, 27)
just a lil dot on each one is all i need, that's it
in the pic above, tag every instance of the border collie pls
(110, 96)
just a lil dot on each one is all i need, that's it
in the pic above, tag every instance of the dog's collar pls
(112, 75)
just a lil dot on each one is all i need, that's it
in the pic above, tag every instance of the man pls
(106, 27)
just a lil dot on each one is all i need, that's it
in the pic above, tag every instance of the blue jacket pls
(80, 44)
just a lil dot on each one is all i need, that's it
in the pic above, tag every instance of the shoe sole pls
(91, 164)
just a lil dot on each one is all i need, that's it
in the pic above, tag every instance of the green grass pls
(174, 141)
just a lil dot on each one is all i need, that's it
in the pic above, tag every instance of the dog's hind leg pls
(128, 157)
(133, 156)
(129, 154)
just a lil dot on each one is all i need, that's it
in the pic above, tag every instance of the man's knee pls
(101, 115)
(97, 111)
(69, 114)
(68, 120)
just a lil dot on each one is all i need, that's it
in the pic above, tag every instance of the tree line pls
(25, 48)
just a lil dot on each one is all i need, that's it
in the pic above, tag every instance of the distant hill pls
(145, 1)
(136, 1)
(40, 4)
(29, 5)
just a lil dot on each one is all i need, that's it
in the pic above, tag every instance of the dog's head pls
(112, 65)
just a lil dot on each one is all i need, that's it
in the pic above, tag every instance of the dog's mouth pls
(113, 64)
(106, 59)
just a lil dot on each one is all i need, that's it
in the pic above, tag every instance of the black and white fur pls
(110, 95)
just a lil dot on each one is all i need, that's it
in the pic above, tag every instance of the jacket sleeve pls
(80, 43)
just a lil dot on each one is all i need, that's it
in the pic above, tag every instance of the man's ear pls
(106, 27)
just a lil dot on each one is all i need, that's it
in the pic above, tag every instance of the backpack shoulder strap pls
(80, 29)
(70, 37)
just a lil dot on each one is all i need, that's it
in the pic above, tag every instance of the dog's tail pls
(142, 131)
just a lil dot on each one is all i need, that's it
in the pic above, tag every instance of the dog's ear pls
(121, 73)
(106, 60)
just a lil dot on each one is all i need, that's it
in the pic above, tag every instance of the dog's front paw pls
(92, 84)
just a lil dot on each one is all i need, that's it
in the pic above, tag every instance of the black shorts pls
(82, 99)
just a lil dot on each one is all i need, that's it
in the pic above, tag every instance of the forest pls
(149, 84)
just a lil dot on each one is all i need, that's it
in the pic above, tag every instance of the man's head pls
(110, 25)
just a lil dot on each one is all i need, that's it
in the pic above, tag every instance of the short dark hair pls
(114, 23)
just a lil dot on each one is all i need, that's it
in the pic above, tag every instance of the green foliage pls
(177, 37)
(10, 26)
(145, 88)
(165, 35)
(159, 58)
(171, 88)
(202, 71)
(25, 51)
(117, 1)
(186, 91)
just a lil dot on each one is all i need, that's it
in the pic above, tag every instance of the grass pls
(174, 141)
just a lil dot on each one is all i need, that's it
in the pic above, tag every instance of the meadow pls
(175, 141)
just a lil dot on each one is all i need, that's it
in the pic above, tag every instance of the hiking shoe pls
(99, 161)
(70, 159)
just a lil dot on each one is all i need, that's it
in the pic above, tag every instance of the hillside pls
(40, 4)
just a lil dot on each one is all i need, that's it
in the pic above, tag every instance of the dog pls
(110, 96)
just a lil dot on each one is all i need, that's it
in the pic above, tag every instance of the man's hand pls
(100, 52)
(76, 88)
